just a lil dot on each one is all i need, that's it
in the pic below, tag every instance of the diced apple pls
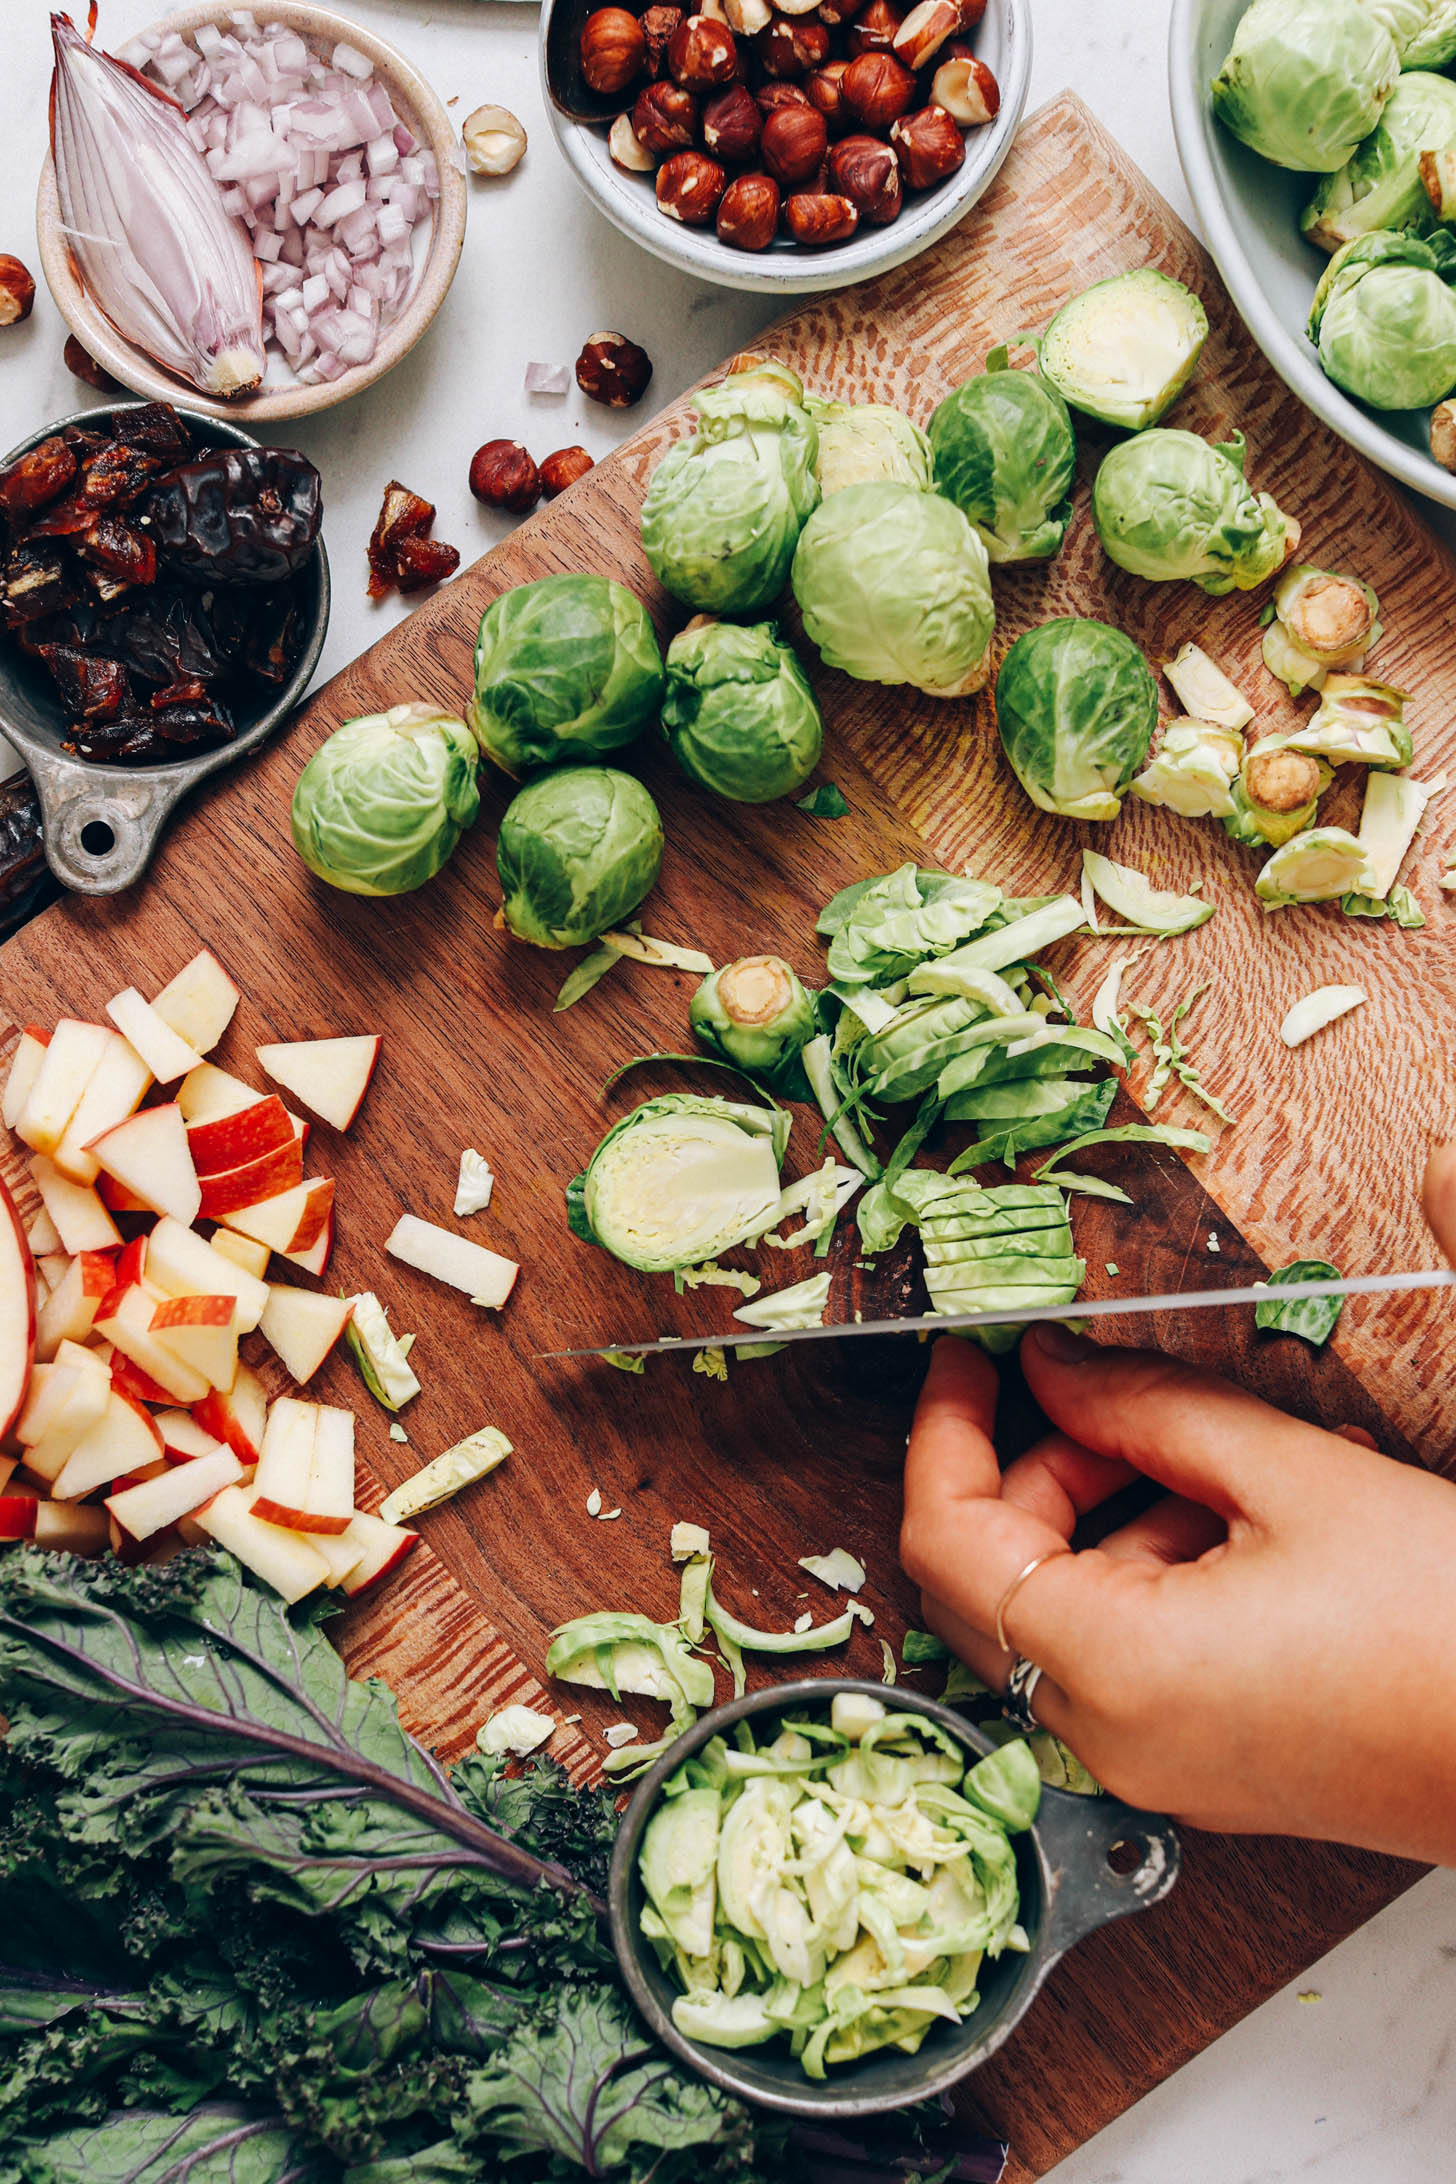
(116, 1198)
(81, 1220)
(50, 1268)
(148, 1508)
(278, 1171)
(129, 1379)
(330, 1076)
(319, 1252)
(148, 1153)
(8, 1468)
(203, 1332)
(125, 1318)
(183, 1264)
(69, 1312)
(342, 1554)
(198, 1003)
(65, 1070)
(82, 1529)
(303, 1325)
(485, 1277)
(207, 1091)
(238, 1416)
(243, 1251)
(222, 1142)
(123, 1439)
(85, 1404)
(289, 1563)
(18, 1316)
(51, 1388)
(182, 1437)
(305, 1477)
(290, 1222)
(43, 1236)
(384, 1548)
(17, 1516)
(166, 1056)
(117, 1086)
(24, 1069)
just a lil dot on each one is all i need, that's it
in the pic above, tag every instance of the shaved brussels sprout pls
(1277, 794)
(1381, 186)
(1206, 691)
(382, 803)
(739, 714)
(565, 668)
(1173, 508)
(680, 1180)
(895, 587)
(1306, 81)
(1124, 350)
(1359, 723)
(577, 852)
(1317, 866)
(1005, 453)
(1384, 322)
(755, 1014)
(1193, 770)
(863, 443)
(1076, 705)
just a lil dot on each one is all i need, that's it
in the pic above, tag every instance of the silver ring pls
(1016, 1702)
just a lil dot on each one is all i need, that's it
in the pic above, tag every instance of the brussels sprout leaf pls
(1312, 1318)
(825, 802)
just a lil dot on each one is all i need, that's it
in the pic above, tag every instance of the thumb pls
(1440, 1197)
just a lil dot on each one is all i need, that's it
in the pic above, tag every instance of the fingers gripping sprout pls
(577, 852)
(382, 803)
(1005, 453)
(1076, 705)
(1172, 507)
(1124, 350)
(861, 443)
(739, 714)
(565, 668)
(1306, 81)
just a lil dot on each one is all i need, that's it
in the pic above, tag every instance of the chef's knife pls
(937, 1323)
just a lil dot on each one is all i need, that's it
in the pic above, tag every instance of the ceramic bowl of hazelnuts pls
(790, 145)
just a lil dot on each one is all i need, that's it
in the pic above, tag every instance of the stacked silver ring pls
(1020, 1685)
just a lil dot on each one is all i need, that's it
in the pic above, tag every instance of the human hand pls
(1271, 1647)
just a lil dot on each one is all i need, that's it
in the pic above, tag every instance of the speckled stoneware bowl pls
(417, 106)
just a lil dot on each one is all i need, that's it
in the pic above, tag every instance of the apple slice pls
(485, 1277)
(8, 1468)
(123, 1439)
(65, 1070)
(18, 1320)
(330, 1076)
(83, 1529)
(24, 1069)
(238, 1416)
(284, 1560)
(244, 1134)
(125, 1318)
(50, 1392)
(243, 1251)
(81, 1220)
(116, 1198)
(128, 1378)
(319, 1252)
(148, 1153)
(203, 1332)
(156, 1503)
(43, 1236)
(306, 1472)
(290, 1222)
(303, 1325)
(116, 1088)
(198, 1003)
(183, 1264)
(69, 1312)
(166, 1056)
(207, 1091)
(342, 1554)
(384, 1547)
(182, 1437)
(49, 1269)
(278, 1171)
(17, 1516)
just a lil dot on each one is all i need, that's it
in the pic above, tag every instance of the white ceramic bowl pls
(1003, 42)
(421, 111)
(1249, 211)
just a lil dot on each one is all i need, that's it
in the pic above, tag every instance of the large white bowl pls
(1003, 42)
(1250, 211)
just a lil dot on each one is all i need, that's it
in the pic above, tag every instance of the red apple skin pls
(193, 1312)
(216, 1416)
(142, 1412)
(315, 1260)
(116, 1198)
(353, 1585)
(298, 1520)
(98, 1273)
(131, 1263)
(129, 1379)
(280, 1169)
(17, 1516)
(19, 1354)
(237, 1140)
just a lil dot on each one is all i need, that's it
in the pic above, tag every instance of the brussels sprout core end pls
(1281, 780)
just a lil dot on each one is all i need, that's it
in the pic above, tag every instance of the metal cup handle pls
(1078, 1836)
(100, 832)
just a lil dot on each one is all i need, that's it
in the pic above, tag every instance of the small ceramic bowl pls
(421, 111)
(1003, 42)
(1069, 1887)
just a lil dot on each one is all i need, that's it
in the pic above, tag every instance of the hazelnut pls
(665, 119)
(503, 475)
(702, 54)
(928, 145)
(494, 140)
(967, 90)
(748, 217)
(796, 7)
(791, 49)
(715, 11)
(866, 171)
(834, 13)
(925, 30)
(813, 217)
(877, 90)
(732, 126)
(658, 25)
(613, 50)
(689, 186)
(874, 30)
(794, 143)
(562, 469)
(824, 95)
(627, 148)
(613, 370)
(771, 96)
(17, 291)
(81, 364)
(748, 17)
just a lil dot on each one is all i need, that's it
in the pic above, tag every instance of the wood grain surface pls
(802, 1452)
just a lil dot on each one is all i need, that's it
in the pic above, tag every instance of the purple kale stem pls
(827, 2157)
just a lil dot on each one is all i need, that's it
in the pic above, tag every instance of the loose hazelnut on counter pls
(813, 218)
(627, 148)
(494, 140)
(658, 25)
(81, 364)
(562, 469)
(771, 96)
(1443, 432)
(877, 90)
(665, 119)
(503, 475)
(613, 370)
(866, 171)
(748, 217)
(791, 49)
(822, 91)
(929, 146)
(732, 126)
(702, 54)
(613, 49)
(748, 17)
(690, 186)
(874, 30)
(795, 140)
(967, 90)
(17, 291)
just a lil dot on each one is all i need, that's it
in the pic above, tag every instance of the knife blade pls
(1189, 1300)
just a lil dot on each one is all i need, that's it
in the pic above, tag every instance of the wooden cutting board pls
(802, 1453)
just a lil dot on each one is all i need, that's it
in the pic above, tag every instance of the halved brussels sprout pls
(1193, 770)
(1076, 705)
(577, 851)
(1306, 80)
(1317, 866)
(383, 801)
(1359, 723)
(1005, 453)
(1124, 350)
(1384, 322)
(739, 714)
(1381, 186)
(565, 669)
(1173, 508)
(683, 1179)
(894, 587)
(1205, 690)
(754, 1013)
(864, 443)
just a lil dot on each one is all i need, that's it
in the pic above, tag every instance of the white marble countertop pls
(1354, 2083)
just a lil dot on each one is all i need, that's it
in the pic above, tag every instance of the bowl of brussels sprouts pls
(1318, 138)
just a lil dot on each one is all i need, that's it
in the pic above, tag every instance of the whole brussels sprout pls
(1005, 453)
(381, 804)
(756, 1014)
(1076, 704)
(1172, 507)
(861, 443)
(724, 509)
(1306, 80)
(565, 668)
(577, 851)
(895, 587)
(1381, 186)
(1124, 350)
(1384, 322)
(739, 713)
(1424, 30)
